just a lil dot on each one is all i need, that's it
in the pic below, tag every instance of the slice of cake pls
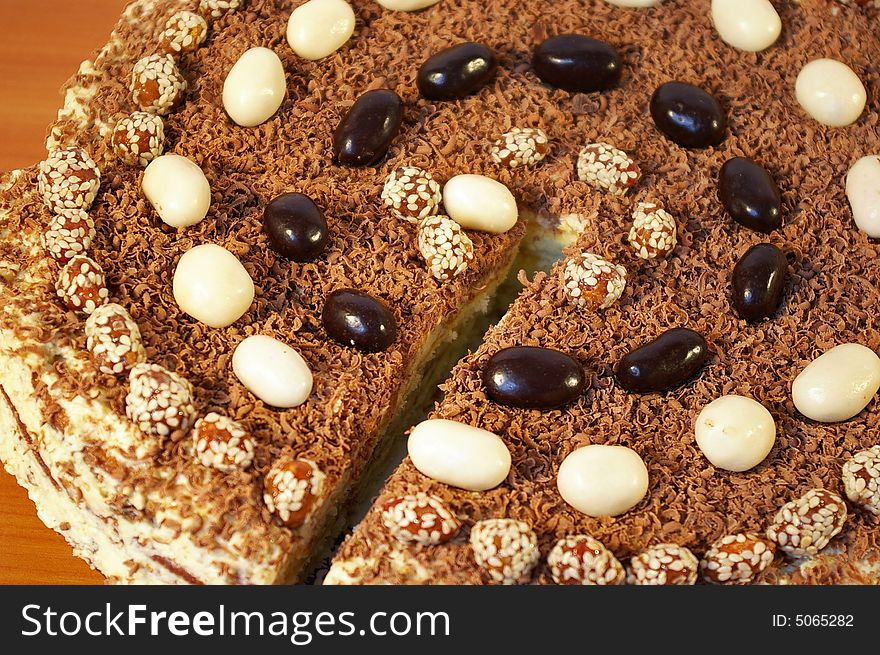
(655, 409)
(227, 284)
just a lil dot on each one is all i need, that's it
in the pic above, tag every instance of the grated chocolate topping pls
(832, 289)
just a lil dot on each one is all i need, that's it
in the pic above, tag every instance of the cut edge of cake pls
(134, 551)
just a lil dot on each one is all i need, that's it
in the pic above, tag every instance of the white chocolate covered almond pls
(863, 193)
(212, 286)
(459, 455)
(273, 371)
(601, 480)
(750, 25)
(838, 384)
(406, 5)
(831, 92)
(319, 28)
(735, 433)
(177, 189)
(254, 87)
(477, 202)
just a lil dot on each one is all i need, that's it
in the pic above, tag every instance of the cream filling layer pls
(98, 534)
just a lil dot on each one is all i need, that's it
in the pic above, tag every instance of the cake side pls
(831, 293)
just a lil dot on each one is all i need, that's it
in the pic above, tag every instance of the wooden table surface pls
(41, 44)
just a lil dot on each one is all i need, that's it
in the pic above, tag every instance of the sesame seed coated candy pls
(420, 519)
(592, 282)
(521, 146)
(653, 232)
(113, 339)
(159, 401)
(861, 479)
(736, 559)
(583, 560)
(184, 32)
(804, 526)
(507, 550)
(446, 248)
(411, 193)
(221, 443)
(605, 167)
(217, 8)
(68, 179)
(663, 564)
(69, 233)
(81, 285)
(156, 84)
(293, 489)
(139, 138)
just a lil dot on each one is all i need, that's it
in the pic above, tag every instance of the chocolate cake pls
(804, 508)
(131, 427)
(204, 361)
